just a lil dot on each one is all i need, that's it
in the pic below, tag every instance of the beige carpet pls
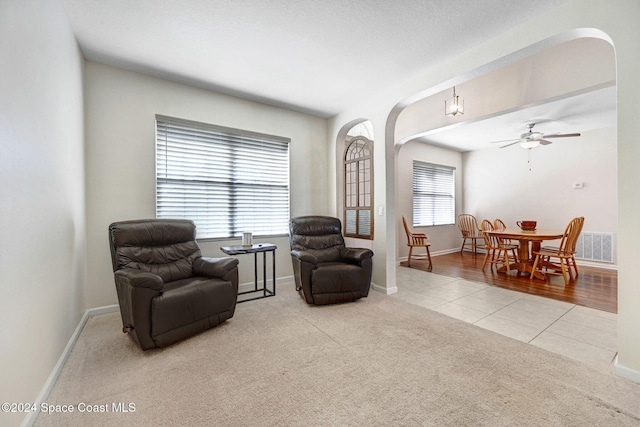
(376, 362)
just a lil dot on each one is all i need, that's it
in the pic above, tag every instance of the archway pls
(354, 199)
(394, 141)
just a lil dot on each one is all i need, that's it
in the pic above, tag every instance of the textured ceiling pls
(313, 56)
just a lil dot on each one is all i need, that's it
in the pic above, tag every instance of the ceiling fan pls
(531, 139)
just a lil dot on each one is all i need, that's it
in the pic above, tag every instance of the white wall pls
(120, 113)
(442, 237)
(550, 74)
(498, 182)
(42, 227)
(612, 21)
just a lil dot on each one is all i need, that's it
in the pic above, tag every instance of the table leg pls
(264, 289)
(264, 274)
(255, 271)
(523, 256)
(273, 258)
(525, 265)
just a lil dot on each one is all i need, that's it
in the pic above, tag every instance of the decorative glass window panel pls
(358, 188)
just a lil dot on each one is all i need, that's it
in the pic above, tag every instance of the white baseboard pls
(103, 310)
(596, 264)
(249, 286)
(386, 291)
(57, 369)
(447, 251)
(625, 372)
(433, 254)
(289, 279)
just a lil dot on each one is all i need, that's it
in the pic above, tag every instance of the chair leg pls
(564, 271)
(535, 266)
(495, 258)
(543, 263)
(464, 239)
(429, 256)
(569, 269)
(501, 256)
(409, 259)
(575, 266)
(484, 262)
(506, 260)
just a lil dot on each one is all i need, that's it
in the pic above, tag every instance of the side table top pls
(240, 249)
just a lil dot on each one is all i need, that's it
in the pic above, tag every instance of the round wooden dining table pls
(526, 239)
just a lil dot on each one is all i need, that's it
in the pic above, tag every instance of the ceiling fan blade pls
(509, 145)
(505, 140)
(562, 135)
(544, 142)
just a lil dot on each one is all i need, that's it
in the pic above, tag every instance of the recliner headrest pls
(152, 232)
(314, 225)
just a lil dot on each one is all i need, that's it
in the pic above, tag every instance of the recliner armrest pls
(355, 255)
(139, 278)
(214, 267)
(304, 256)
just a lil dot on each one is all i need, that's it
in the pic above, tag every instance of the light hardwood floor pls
(594, 288)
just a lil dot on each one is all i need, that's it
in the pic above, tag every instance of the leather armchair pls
(166, 290)
(324, 269)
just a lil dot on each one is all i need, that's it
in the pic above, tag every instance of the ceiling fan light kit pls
(454, 105)
(529, 143)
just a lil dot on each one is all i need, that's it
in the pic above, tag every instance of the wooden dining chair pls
(485, 226)
(468, 226)
(497, 250)
(564, 254)
(499, 224)
(571, 262)
(417, 240)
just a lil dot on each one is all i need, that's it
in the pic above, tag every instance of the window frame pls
(362, 188)
(229, 182)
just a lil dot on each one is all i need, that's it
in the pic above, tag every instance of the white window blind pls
(433, 194)
(227, 181)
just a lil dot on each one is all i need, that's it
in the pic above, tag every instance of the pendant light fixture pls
(454, 105)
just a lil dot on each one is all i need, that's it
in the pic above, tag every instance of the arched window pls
(358, 187)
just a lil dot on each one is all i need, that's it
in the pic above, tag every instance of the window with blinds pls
(228, 181)
(433, 194)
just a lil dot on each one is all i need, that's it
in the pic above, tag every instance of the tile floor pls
(573, 331)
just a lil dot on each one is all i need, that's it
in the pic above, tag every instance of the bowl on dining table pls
(527, 225)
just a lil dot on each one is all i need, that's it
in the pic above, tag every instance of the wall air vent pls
(594, 246)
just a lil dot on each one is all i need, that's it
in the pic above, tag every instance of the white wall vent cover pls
(595, 246)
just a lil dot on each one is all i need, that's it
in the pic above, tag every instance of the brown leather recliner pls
(324, 269)
(166, 290)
